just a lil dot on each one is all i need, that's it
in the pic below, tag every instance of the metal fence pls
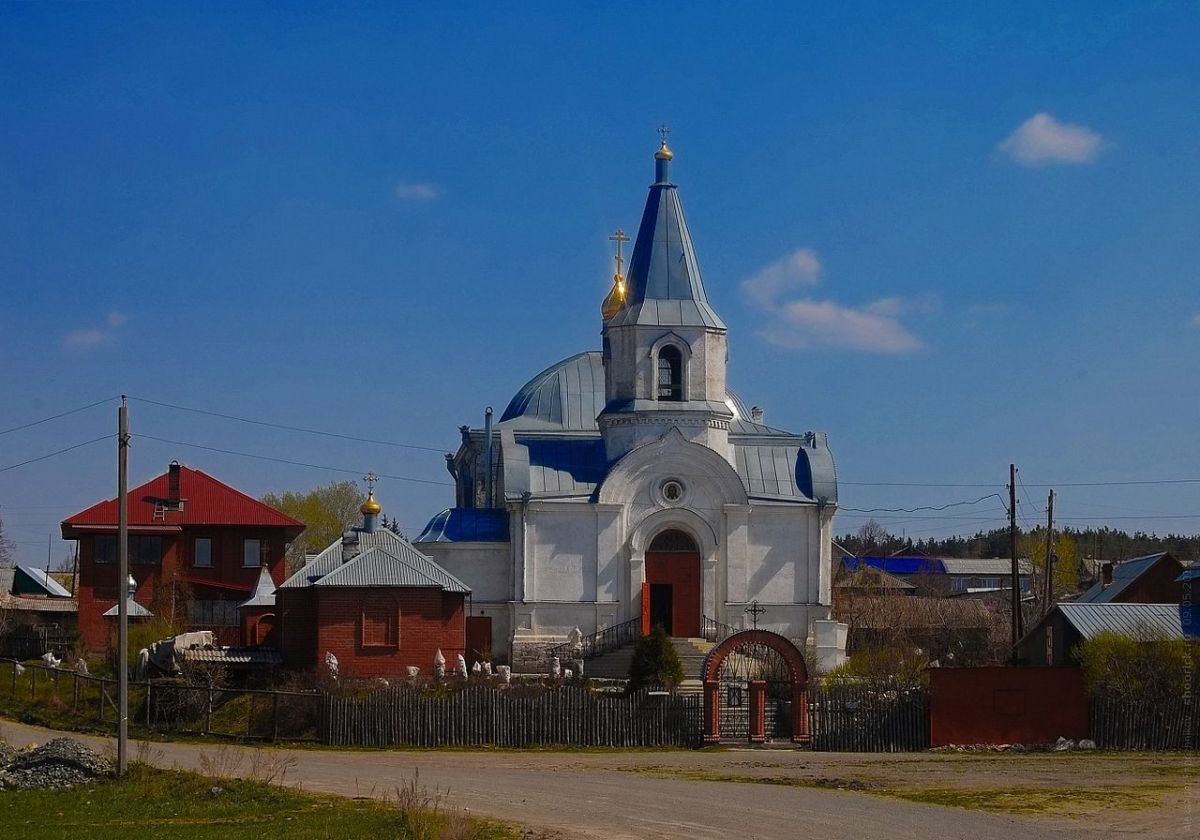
(527, 716)
(861, 719)
(1163, 725)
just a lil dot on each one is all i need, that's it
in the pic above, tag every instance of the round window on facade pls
(672, 491)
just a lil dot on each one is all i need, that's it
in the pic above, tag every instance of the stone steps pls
(615, 665)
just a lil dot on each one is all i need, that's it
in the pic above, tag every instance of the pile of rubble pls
(1061, 745)
(61, 763)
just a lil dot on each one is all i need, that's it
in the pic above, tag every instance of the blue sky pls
(952, 237)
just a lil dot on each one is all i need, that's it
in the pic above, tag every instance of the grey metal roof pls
(393, 545)
(984, 566)
(790, 467)
(135, 610)
(377, 568)
(1139, 621)
(233, 656)
(38, 604)
(264, 591)
(1124, 573)
(42, 579)
(665, 286)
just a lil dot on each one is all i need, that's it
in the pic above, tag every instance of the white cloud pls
(89, 337)
(799, 268)
(1042, 140)
(418, 191)
(874, 328)
(804, 322)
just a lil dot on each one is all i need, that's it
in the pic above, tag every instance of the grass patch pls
(1064, 801)
(151, 803)
(1046, 801)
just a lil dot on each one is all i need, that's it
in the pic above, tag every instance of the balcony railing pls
(715, 631)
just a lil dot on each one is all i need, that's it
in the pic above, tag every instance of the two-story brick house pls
(196, 549)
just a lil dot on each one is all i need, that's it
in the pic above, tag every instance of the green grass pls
(151, 803)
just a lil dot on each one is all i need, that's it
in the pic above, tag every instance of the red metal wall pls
(1006, 705)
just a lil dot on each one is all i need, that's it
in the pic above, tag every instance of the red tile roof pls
(206, 501)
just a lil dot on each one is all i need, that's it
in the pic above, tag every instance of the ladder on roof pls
(160, 510)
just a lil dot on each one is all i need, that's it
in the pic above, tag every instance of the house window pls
(104, 548)
(202, 553)
(380, 622)
(145, 550)
(670, 374)
(213, 613)
(251, 554)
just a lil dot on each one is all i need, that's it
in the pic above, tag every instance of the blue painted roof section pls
(899, 565)
(466, 525)
(665, 287)
(1124, 573)
(1192, 572)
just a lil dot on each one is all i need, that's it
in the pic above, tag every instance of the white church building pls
(630, 484)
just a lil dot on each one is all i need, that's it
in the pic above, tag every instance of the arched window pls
(670, 374)
(380, 621)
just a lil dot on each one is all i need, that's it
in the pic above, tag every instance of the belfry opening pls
(671, 592)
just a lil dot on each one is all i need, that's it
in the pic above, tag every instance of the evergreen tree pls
(655, 662)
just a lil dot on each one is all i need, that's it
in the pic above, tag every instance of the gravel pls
(61, 763)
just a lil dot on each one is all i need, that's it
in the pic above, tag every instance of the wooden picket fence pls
(1164, 725)
(858, 719)
(481, 715)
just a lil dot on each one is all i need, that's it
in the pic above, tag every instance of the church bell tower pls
(664, 345)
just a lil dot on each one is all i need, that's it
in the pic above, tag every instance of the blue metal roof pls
(466, 525)
(1124, 573)
(899, 565)
(665, 287)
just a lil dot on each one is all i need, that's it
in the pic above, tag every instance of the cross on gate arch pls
(758, 688)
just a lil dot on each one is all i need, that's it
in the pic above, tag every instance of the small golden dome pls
(371, 507)
(663, 152)
(616, 298)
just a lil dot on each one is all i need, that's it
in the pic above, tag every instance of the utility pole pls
(122, 588)
(1015, 594)
(1049, 570)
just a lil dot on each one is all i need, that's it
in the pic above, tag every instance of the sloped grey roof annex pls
(264, 591)
(330, 560)
(376, 567)
(1134, 620)
(984, 565)
(43, 579)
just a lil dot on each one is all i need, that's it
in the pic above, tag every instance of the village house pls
(1151, 579)
(197, 547)
(37, 613)
(1053, 640)
(375, 603)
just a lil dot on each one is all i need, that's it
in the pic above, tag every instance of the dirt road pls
(750, 794)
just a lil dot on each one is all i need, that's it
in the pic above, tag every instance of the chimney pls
(350, 546)
(173, 485)
(756, 414)
(1106, 572)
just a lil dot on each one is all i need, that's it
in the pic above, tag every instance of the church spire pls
(664, 287)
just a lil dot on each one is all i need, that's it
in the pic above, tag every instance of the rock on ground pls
(60, 763)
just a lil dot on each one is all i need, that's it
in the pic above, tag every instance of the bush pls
(1147, 669)
(881, 670)
(655, 662)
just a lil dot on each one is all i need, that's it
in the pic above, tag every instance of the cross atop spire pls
(371, 480)
(619, 237)
(663, 131)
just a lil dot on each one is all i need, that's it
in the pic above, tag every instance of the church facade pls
(629, 484)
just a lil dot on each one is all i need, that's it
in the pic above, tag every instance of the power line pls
(287, 428)
(291, 462)
(56, 416)
(924, 507)
(56, 452)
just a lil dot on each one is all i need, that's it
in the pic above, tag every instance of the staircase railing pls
(601, 642)
(715, 631)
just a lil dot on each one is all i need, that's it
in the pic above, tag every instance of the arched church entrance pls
(671, 591)
(745, 672)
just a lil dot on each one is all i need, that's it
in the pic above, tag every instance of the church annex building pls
(630, 484)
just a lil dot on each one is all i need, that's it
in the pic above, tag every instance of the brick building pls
(196, 548)
(374, 602)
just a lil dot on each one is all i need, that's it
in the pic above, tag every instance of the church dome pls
(569, 396)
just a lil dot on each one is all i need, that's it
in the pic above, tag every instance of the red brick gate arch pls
(758, 688)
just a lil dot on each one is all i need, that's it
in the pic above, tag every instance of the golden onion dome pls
(371, 507)
(616, 298)
(664, 153)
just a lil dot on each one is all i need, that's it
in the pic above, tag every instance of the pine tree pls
(655, 662)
